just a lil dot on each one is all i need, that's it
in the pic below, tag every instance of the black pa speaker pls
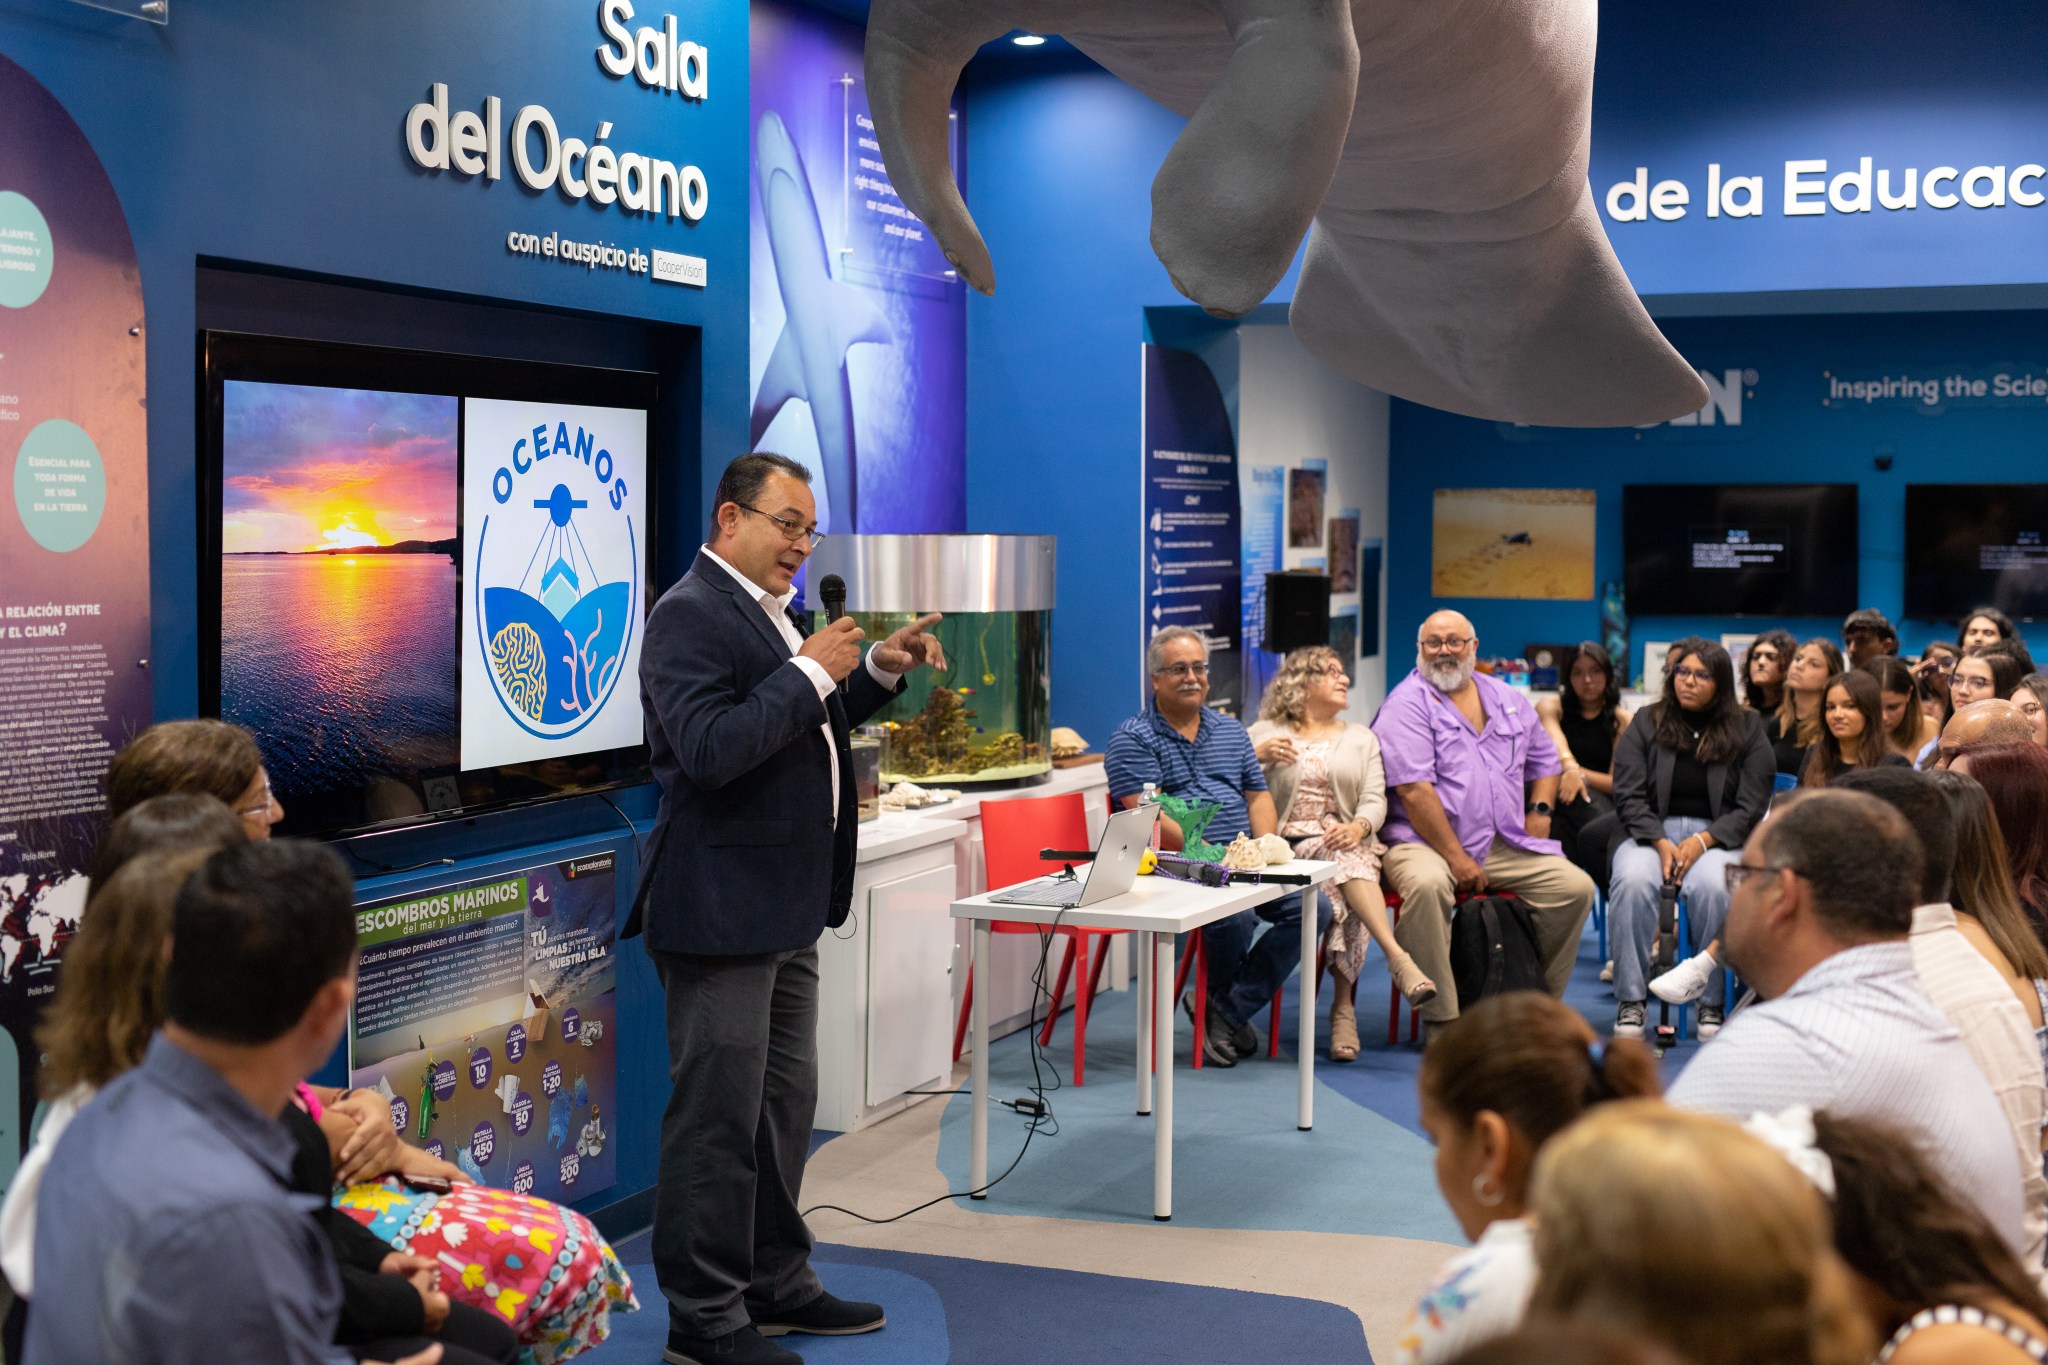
(1297, 611)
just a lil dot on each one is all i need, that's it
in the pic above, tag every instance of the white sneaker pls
(1686, 982)
(1629, 1019)
(1607, 971)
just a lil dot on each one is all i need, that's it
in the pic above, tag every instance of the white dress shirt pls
(1970, 991)
(1858, 1037)
(778, 613)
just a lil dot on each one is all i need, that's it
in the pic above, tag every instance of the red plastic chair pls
(1012, 833)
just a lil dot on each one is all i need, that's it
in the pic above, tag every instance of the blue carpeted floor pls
(1239, 1163)
(942, 1309)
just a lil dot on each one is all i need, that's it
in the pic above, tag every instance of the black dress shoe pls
(824, 1316)
(744, 1347)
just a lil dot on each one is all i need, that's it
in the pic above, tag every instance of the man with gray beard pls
(1471, 776)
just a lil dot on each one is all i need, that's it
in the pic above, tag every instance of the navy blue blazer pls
(746, 856)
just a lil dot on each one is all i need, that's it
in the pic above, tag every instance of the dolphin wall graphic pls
(1433, 151)
(822, 319)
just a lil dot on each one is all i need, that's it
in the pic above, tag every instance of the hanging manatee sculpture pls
(1434, 151)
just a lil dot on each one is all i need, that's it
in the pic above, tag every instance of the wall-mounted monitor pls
(1976, 544)
(1740, 549)
(426, 575)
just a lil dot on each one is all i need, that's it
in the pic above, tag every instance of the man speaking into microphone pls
(748, 722)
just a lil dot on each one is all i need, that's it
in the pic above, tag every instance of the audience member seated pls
(1814, 665)
(1583, 721)
(1554, 1340)
(1984, 626)
(1932, 672)
(1687, 1231)
(1933, 1273)
(112, 970)
(99, 1027)
(2031, 696)
(1909, 731)
(1461, 750)
(1331, 791)
(1508, 1076)
(166, 1229)
(1987, 909)
(1853, 735)
(1983, 673)
(1980, 725)
(1188, 751)
(1822, 905)
(207, 756)
(1866, 634)
(1692, 777)
(1966, 987)
(2015, 780)
(1763, 671)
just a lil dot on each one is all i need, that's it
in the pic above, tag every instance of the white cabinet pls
(910, 951)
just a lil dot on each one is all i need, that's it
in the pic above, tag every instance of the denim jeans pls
(1632, 907)
(1244, 973)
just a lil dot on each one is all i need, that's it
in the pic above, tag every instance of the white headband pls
(1790, 1133)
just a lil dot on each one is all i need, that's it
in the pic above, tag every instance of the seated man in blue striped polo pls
(1189, 751)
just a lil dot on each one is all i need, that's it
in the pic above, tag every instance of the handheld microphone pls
(832, 592)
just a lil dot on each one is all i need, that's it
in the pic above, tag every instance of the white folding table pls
(1155, 909)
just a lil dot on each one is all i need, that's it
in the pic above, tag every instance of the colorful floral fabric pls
(538, 1266)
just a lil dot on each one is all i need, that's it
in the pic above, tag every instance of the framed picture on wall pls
(1344, 551)
(1344, 635)
(1513, 542)
(1305, 485)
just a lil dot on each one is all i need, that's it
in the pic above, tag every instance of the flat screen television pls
(424, 576)
(1739, 549)
(1976, 544)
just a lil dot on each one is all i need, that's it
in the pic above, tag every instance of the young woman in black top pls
(1692, 776)
(1907, 727)
(1853, 733)
(1814, 665)
(1583, 720)
(1763, 671)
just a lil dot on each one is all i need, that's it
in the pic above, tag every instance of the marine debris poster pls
(74, 549)
(486, 1015)
(1192, 558)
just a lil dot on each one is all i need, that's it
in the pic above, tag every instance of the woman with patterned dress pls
(1331, 791)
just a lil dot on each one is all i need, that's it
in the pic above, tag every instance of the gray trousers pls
(729, 1243)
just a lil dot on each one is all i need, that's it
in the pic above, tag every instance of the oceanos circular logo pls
(555, 574)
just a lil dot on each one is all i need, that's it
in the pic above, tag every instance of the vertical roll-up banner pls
(1191, 554)
(74, 543)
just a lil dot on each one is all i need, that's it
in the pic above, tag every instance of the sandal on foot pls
(1409, 980)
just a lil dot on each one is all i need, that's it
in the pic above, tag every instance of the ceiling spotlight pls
(1029, 40)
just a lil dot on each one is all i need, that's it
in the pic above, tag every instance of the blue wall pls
(1787, 435)
(273, 135)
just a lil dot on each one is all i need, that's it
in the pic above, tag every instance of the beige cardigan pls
(1356, 774)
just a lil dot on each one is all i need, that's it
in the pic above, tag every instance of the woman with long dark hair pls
(1985, 625)
(1584, 719)
(1692, 776)
(2031, 696)
(1853, 732)
(1814, 665)
(1941, 1282)
(2015, 778)
(1907, 727)
(1987, 908)
(1982, 674)
(1937, 661)
(1763, 671)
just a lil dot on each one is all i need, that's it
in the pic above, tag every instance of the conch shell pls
(1066, 744)
(1276, 849)
(1245, 854)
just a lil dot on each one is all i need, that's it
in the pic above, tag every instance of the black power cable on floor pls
(1041, 1067)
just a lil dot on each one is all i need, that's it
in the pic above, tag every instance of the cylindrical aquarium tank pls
(987, 720)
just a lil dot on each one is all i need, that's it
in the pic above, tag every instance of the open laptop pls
(1124, 841)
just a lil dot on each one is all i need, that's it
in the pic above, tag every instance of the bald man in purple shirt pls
(1471, 776)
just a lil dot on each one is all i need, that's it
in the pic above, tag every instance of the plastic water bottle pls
(1151, 798)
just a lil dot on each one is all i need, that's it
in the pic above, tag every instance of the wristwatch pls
(1539, 808)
